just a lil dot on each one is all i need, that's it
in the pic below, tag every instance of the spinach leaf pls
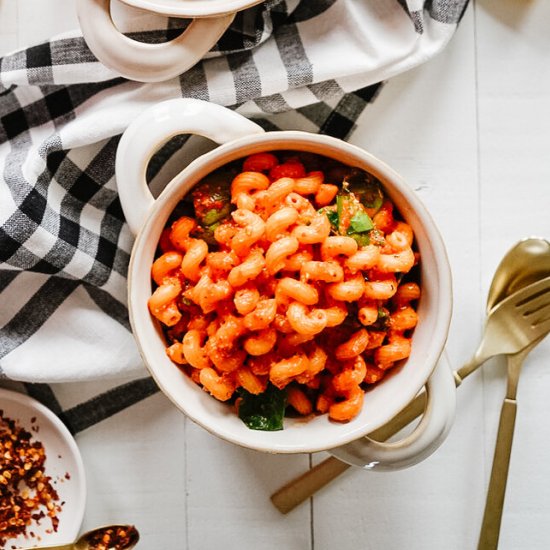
(265, 411)
(212, 198)
(363, 239)
(216, 214)
(332, 216)
(373, 197)
(339, 207)
(360, 222)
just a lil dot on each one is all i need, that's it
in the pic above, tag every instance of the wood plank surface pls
(470, 132)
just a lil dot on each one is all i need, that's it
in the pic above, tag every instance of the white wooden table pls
(470, 130)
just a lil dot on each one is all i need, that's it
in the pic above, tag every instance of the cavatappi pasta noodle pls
(287, 274)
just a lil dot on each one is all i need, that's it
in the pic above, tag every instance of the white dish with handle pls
(145, 62)
(147, 218)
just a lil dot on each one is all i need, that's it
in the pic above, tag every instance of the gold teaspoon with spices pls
(109, 537)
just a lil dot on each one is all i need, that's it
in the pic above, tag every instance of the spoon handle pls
(490, 528)
(305, 486)
(69, 546)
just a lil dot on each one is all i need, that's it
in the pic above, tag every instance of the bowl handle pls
(146, 62)
(421, 443)
(152, 129)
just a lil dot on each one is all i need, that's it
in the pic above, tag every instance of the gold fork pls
(494, 504)
(511, 326)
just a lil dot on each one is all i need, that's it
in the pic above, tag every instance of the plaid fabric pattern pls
(64, 244)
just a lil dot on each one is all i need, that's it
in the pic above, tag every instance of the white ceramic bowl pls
(147, 217)
(149, 62)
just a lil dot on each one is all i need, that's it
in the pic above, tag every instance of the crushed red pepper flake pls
(26, 493)
(113, 538)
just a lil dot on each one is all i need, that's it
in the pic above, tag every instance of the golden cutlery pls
(539, 249)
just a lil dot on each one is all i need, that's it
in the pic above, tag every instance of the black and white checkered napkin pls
(64, 246)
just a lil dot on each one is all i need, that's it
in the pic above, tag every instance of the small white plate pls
(192, 8)
(63, 465)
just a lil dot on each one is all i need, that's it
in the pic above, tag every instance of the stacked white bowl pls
(157, 62)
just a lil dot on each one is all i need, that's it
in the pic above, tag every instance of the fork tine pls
(539, 316)
(541, 328)
(536, 306)
(533, 296)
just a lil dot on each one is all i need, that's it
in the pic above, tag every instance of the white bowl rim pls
(192, 8)
(306, 142)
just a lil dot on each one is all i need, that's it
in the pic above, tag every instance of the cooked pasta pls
(287, 272)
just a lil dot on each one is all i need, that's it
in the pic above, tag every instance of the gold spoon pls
(494, 504)
(91, 539)
(525, 262)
